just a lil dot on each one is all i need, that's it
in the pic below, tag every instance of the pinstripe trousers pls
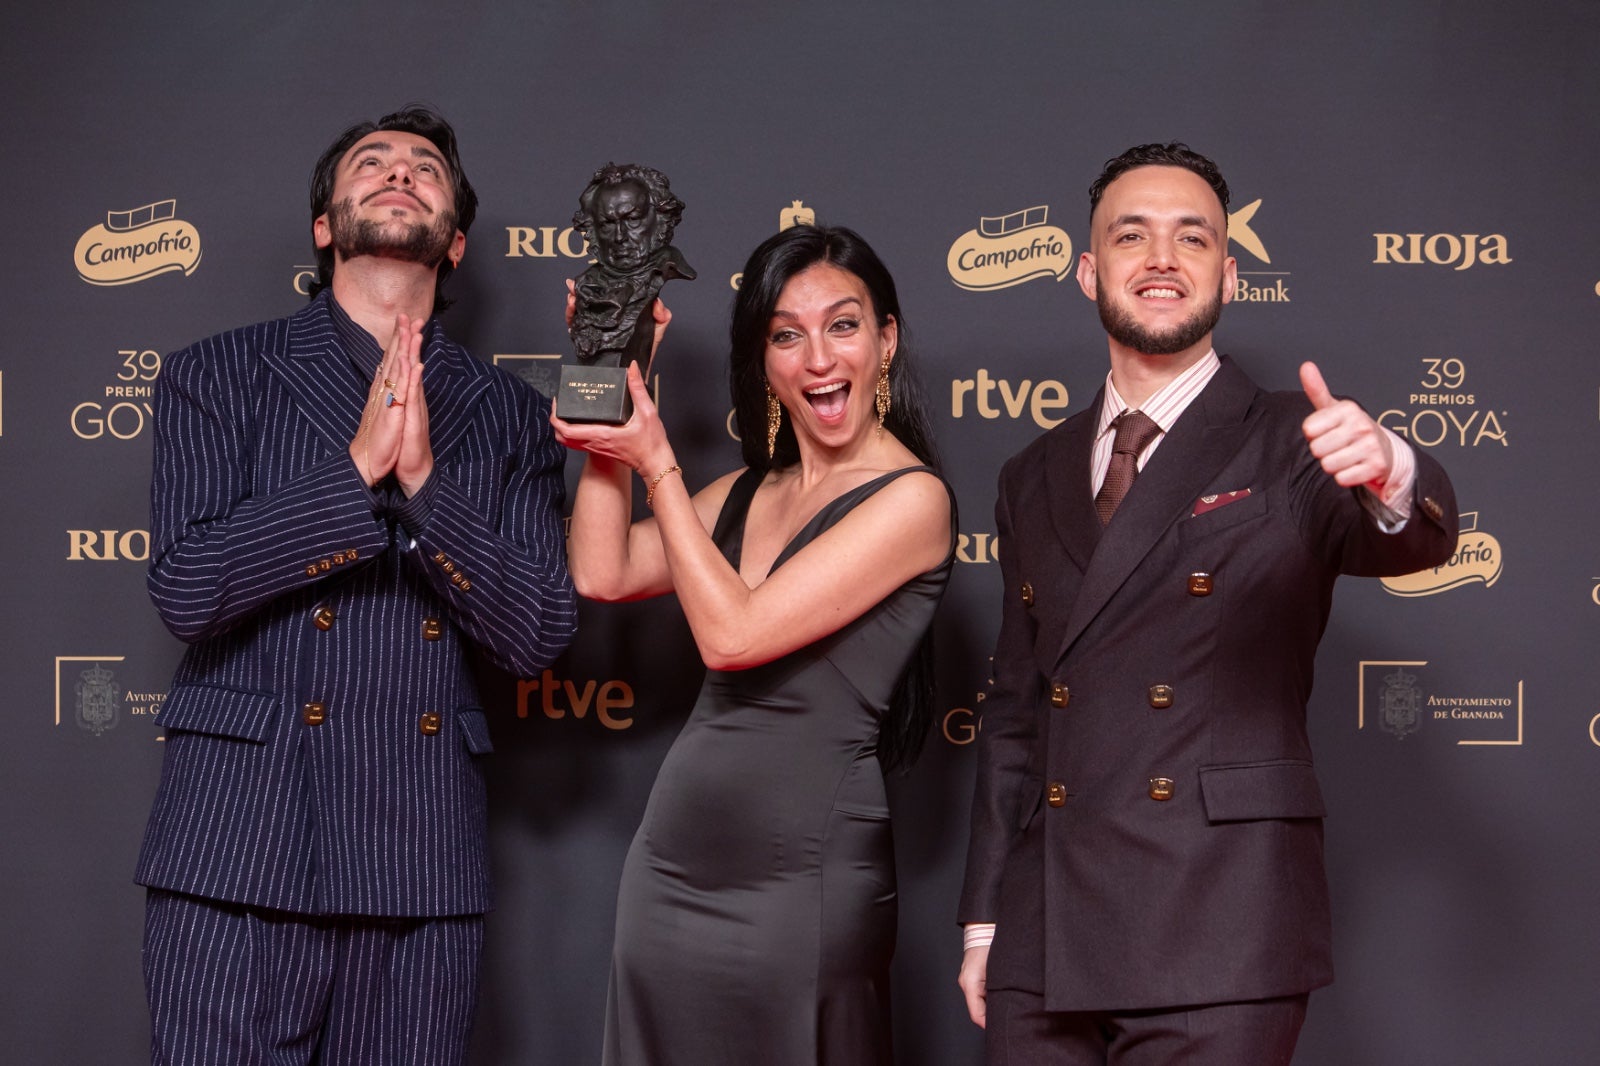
(235, 985)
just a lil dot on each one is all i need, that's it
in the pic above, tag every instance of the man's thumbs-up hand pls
(1352, 448)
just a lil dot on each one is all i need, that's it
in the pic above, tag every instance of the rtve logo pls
(1442, 249)
(558, 697)
(1040, 401)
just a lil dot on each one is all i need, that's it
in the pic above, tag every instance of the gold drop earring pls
(774, 420)
(880, 399)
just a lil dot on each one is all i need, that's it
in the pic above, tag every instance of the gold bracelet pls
(650, 493)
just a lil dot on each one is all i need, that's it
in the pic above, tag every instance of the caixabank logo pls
(1255, 286)
(1007, 250)
(136, 245)
(1477, 560)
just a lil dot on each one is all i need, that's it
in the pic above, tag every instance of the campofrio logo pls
(1477, 558)
(138, 244)
(1007, 250)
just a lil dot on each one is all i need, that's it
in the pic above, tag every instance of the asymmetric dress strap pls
(728, 533)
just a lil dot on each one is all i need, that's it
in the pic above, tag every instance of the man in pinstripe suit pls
(344, 504)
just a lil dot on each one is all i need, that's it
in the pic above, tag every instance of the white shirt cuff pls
(1392, 508)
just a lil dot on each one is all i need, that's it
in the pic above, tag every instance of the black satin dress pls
(756, 915)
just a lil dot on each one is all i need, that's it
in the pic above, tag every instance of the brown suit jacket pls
(1147, 823)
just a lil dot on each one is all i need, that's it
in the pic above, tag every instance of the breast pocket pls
(1229, 516)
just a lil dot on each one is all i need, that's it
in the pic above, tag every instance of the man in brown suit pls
(1146, 848)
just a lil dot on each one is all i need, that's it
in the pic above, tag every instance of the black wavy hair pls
(770, 267)
(778, 259)
(425, 123)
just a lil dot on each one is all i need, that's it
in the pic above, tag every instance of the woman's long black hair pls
(771, 266)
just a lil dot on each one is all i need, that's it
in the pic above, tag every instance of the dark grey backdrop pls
(1462, 851)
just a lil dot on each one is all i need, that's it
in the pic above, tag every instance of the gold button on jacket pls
(1027, 594)
(432, 629)
(429, 724)
(1055, 794)
(323, 618)
(1059, 695)
(314, 713)
(1161, 788)
(1161, 696)
(1200, 584)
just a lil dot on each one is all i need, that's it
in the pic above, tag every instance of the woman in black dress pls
(756, 914)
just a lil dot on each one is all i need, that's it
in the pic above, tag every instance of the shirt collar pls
(362, 347)
(1168, 402)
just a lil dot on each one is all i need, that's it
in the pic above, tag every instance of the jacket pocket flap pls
(474, 730)
(1248, 791)
(1242, 510)
(222, 712)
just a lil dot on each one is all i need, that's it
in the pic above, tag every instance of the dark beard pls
(1128, 333)
(414, 242)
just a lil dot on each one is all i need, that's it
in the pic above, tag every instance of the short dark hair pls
(669, 209)
(423, 122)
(779, 258)
(1159, 155)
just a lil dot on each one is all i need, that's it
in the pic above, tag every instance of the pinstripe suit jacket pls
(299, 588)
(1147, 822)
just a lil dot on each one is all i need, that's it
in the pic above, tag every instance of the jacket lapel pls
(451, 388)
(317, 374)
(1067, 456)
(1203, 439)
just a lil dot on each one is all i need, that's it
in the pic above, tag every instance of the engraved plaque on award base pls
(594, 394)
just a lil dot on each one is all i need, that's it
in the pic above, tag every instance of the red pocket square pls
(1219, 499)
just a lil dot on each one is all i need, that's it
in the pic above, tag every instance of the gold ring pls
(388, 384)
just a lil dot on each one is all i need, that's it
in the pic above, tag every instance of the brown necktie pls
(1134, 429)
